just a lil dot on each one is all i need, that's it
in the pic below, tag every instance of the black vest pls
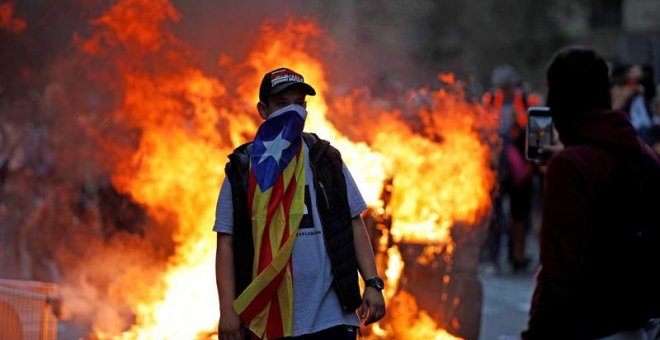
(333, 208)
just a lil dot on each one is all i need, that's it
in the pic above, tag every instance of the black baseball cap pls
(280, 79)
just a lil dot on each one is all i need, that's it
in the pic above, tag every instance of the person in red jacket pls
(600, 230)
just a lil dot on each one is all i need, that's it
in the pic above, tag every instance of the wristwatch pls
(375, 282)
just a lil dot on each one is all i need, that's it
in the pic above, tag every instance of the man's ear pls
(263, 110)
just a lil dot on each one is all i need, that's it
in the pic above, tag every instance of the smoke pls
(364, 32)
(101, 277)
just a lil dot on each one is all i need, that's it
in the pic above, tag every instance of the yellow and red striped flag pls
(276, 199)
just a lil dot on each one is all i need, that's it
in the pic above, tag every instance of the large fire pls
(189, 121)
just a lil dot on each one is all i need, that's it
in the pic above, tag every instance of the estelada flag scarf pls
(276, 199)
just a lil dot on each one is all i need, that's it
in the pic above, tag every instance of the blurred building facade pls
(625, 31)
(472, 37)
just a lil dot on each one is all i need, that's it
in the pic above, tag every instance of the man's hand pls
(373, 305)
(550, 150)
(230, 325)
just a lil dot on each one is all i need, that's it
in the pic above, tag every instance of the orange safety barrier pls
(26, 310)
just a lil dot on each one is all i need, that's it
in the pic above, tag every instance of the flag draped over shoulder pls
(276, 199)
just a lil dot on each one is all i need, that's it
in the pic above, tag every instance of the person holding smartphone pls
(599, 231)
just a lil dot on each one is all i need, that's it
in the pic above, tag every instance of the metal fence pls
(27, 310)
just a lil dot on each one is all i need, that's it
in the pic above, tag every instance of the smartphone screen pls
(539, 132)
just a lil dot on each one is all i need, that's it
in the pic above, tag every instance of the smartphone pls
(539, 132)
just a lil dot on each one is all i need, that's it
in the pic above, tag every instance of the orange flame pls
(176, 167)
(189, 122)
(408, 322)
(446, 185)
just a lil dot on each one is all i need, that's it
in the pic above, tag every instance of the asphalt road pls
(507, 295)
(506, 303)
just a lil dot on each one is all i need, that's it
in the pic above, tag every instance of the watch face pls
(380, 284)
(377, 283)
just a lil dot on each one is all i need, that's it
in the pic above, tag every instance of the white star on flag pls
(274, 148)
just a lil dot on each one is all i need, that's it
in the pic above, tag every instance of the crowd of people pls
(517, 198)
(597, 230)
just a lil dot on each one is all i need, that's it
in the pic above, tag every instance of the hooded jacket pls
(599, 226)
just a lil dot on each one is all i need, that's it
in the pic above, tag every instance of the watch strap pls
(375, 282)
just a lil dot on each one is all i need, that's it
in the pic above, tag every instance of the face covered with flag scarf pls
(280, 136)
(278, 141)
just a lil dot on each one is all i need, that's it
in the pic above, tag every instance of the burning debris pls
(162, 134)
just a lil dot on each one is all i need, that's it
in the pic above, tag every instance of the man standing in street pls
(600, 231)
(290, 236)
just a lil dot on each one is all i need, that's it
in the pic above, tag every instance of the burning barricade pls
(424, 169)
